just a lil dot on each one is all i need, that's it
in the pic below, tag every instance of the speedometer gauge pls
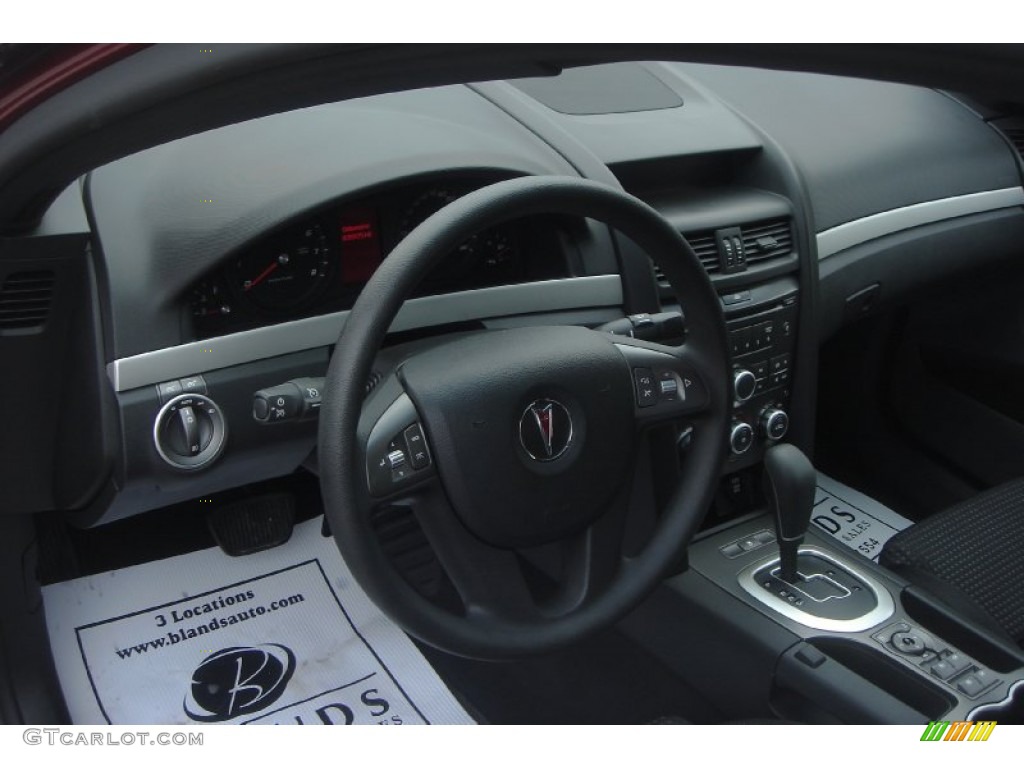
(287, 272)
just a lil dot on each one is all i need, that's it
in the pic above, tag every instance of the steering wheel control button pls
(545, 429)
(741, 438)
(646, 392)
(189, 431)
(418, 456)
(743, 384)
(668, 385)
(396, 460)
(774, 423)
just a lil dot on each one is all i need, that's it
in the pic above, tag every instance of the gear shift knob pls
(789, 483)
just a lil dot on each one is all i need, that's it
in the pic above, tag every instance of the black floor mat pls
(605, 680)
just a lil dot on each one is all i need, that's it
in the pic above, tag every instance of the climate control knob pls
(774, 423)
(189, 431)
(741, 438)
(743, 384)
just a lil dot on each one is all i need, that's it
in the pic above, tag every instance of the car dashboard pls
(226, 262)
(190, 295)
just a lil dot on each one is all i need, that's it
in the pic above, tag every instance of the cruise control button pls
(646, 392)
(418, 456)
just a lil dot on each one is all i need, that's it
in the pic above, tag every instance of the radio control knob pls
(774, 423)
(741, 438)
(744, 383)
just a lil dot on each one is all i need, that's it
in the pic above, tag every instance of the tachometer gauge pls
(423, 207)
(287, 272)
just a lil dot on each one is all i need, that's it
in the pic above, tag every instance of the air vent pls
(703, 244)
(765, 240)
(25, 300)
(1016, 137)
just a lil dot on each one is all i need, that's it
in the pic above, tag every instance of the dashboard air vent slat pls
(763, 240)
(25, 299)
(703, 244)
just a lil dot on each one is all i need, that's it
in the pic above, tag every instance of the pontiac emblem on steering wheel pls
(545, 430)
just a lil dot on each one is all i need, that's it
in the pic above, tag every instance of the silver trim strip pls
(312, 332)
(882, 611)
(852, 233)
(996, 705)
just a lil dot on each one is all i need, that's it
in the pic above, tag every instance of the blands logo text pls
(960, 730)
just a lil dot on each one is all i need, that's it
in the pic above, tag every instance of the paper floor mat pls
(280, 637)
(856, 520)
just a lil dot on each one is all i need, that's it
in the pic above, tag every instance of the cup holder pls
(1009, 711)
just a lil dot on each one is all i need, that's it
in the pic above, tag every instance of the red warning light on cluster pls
(360, 245)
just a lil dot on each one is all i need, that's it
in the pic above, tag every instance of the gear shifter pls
(789, 483)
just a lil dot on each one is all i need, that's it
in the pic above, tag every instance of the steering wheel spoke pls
(593, 558)
(488, 579)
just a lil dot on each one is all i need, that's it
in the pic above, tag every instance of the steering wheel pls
(505, 440)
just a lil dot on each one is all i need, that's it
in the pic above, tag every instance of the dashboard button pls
(168, 389)
(194, 384)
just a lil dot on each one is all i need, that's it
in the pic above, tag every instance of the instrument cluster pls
(320, 263)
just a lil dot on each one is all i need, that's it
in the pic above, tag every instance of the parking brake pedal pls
(255, 524)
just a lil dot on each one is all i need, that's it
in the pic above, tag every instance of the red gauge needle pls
(262, 276)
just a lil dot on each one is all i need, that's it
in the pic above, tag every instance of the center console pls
(814, 632)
